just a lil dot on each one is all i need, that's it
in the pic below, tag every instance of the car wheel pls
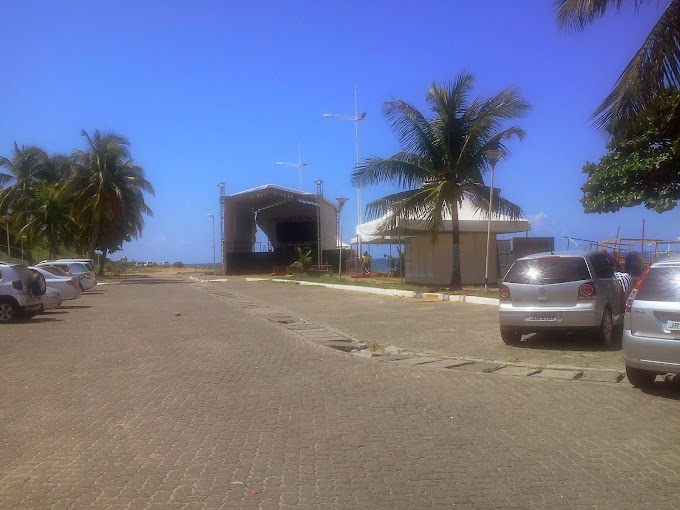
(7, 311)
(606, 330)
(510, 336)
(639, 378)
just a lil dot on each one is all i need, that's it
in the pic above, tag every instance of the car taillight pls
(629, 301)
(87, 275)
(631, 296)
(586, 291)
(504, 292)
(72, 283)
(18, 285)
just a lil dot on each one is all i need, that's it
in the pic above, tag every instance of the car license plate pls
(673, 325)
(541, 317)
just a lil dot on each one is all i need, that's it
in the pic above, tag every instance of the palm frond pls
(403, 169)
(410, 126)
(578, 14)
(478, 196)
(653, 69)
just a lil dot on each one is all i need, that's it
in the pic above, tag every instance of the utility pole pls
(222, 254)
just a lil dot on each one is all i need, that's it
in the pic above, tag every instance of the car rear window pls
(660, 284)
(55, 271)
(548, 270)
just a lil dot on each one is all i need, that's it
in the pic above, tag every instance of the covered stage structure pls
(290, 219)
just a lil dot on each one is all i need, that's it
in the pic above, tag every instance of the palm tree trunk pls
(456, 280)
(102, 261)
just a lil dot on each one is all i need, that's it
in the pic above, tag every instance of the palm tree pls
(26, 167)
(652, 70)
(108, 189)
(46, 216)
(443, 158)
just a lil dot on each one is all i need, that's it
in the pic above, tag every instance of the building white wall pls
(430, 263)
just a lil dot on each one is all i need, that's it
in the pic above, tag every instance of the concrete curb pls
(454, 298)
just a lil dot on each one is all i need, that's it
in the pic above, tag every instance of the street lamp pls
(223, 265)
(299, 166)
(492, 155)
(356, 119)
(212, 216)
(341, 204)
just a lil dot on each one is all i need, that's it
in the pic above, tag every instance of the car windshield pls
(660, 284)
(548, 270)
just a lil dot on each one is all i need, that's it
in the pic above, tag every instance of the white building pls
(430, 263)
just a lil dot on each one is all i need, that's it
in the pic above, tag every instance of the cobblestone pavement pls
(119, 402)
(438, 328)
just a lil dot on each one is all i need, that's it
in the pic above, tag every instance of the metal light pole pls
(492, 155)
(299, 166)
(212, 216)
(341, 204)
(356, 119)
(220, 185)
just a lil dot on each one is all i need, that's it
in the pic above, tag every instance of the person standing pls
(366, 262)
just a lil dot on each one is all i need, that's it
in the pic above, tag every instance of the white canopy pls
(470, 220)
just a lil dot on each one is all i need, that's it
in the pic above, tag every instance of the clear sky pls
(217, 91)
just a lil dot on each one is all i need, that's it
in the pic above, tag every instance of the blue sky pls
(218, 91)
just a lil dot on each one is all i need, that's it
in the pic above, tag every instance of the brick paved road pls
(451, 329)
(119, 403)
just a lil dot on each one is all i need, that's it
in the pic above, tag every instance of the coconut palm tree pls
(45, 216)
(443, 158)
(652, 70)
(108, 190)
(26, 167)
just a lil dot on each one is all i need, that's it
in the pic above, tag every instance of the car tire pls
(510, 336)
(606, 330)
(639, 378)
(8, 311)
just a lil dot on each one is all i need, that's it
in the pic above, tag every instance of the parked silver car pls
(651, 328)
(60, 280)
(20, 291)
(563, 291)
(81, 270)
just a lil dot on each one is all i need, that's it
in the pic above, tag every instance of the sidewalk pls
(427, 326)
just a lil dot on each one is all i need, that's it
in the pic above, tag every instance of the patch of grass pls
(512, 359)
(375, 347)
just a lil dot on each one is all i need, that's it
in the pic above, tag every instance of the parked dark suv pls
(563, 291)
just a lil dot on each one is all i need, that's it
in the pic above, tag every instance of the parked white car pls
(50, 300)
(20, 291)
(55, 278)
(80, 270)
(88, 262)
(651, 328)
